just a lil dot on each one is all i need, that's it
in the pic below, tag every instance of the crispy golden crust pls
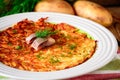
(71, 47)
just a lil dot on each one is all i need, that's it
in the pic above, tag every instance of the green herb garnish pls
(72, 46)
(69, 52)
(44, 33)
(14, 31)
(18, 47)
(54, 60)
(40, 57)
(8, 7)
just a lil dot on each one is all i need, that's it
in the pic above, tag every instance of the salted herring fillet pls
(30, 37)
(50, 41)
(37, 42)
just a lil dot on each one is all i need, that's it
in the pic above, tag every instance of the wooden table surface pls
(115, 27)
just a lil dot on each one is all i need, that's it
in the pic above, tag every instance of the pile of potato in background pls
(83, 8)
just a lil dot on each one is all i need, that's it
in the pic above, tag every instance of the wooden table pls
(115, 28)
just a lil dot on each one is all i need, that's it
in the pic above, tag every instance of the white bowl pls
(105, 52)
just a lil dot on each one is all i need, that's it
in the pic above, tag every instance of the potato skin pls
(94, 12)
(60, 6)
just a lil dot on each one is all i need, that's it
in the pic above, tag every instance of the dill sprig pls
(16, 6)
(3, 7)
(44, 33)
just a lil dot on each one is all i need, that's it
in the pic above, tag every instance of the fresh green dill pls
(54, 60)
(18, 47)
(14, 31)
(72, 46)
(39, 57)
(44, 33)
(8, 7)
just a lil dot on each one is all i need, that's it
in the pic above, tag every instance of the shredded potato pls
(71, 48)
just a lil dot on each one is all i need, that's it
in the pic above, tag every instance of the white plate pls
(105, 52)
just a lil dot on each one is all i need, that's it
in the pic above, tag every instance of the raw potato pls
(60, 6)
(94, 12)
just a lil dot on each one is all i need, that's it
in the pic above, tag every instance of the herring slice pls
(30, 38)
(37, 42)
(50, 41)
